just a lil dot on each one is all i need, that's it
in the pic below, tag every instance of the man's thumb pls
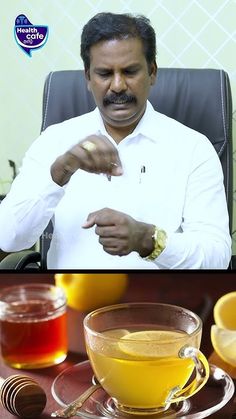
(90, 222)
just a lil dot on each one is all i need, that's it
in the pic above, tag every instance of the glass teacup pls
(146, 355)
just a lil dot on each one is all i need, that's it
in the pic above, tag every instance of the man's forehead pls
(126, 51)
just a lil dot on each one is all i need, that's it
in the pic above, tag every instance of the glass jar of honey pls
(33, 325)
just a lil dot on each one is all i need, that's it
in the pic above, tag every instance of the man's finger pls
(106, 231)
(90, 222)
(116, 169)
(98, 217)
(103, 217)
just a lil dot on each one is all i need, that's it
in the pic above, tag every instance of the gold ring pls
(88, 146)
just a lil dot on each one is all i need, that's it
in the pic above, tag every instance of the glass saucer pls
(73, 381)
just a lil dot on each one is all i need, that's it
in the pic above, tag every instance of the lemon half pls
(224, 343)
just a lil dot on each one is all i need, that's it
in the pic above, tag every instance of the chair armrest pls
(233, 263)
(26, 259)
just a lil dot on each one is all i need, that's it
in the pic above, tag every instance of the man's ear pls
(87, 76)
(153, 73)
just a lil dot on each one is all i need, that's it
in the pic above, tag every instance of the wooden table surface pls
(195, 291)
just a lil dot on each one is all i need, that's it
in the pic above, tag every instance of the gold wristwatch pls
(159, 238)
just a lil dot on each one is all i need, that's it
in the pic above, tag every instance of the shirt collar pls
(144, 127)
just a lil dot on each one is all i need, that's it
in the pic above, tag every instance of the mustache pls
(118, 98)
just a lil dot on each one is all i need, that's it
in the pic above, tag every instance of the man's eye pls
(104, 74)
(131, 72)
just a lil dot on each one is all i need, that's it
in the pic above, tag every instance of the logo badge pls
(29, 37)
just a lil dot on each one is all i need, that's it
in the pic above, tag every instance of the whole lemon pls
(86, 292)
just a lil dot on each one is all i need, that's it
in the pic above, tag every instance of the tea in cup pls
(146, 355)
(33, 325)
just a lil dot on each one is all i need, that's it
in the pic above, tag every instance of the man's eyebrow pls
(104, 68)
(132, 67)
(128, 67)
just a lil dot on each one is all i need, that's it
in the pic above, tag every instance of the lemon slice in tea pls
(152, 343)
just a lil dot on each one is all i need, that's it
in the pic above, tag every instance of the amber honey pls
(33, 331)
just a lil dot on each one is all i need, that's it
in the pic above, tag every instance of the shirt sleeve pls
(34, 196)
(30, 204)
(203, 240)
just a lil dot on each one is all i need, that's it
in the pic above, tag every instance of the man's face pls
(120, 80)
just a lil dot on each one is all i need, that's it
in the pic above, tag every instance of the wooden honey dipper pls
(22, 396)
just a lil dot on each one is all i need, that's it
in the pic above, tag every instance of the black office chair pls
(199, 98)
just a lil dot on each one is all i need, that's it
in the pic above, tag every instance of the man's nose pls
(118, 83)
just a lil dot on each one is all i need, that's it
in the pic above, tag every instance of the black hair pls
(108, 26)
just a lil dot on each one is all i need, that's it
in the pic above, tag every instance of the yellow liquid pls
(137, 378)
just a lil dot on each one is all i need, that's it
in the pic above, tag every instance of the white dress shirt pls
(172, 178)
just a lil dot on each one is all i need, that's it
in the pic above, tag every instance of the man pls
(125, 186)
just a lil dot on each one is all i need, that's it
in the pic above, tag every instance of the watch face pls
(159, 238)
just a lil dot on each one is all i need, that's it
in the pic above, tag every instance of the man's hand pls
(95, 154)
(120, 234)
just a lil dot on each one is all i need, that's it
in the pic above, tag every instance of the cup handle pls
(201, 375)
